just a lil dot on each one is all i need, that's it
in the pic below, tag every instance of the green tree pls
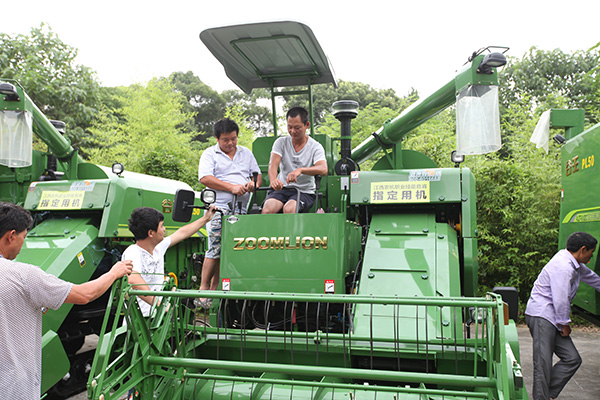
(436, 138)
(207, 105)
(255, 107)
(246, 135)
(548, 79)
(45, 66)
(517, 207)
(147, 137)
(325, 95)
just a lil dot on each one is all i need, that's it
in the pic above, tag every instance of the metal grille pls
(273, 346)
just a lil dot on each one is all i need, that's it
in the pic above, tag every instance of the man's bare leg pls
(210, 278)
(290, 207)
(272, 206)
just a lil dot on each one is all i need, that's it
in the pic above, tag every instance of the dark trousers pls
(548, 380)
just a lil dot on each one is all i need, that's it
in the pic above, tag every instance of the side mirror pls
(184, 203)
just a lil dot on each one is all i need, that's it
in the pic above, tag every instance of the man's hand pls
(250, 186)
(292, 176)
(276, 184)
(238, 190)
(210, 213)
(122, 268)
(565, 330)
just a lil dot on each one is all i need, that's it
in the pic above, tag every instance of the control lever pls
(255, 208)
(317, 187)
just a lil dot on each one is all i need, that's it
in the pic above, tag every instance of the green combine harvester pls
(373, 298)
(80, 228)
(579, 207)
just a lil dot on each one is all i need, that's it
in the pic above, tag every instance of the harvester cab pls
(373, 296)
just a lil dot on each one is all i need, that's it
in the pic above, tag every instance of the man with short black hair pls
(548, 314)
(227, 168)
(299, 158)
(148, 252)
(24, 290)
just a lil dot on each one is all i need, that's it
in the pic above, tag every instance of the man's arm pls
(138, 283)
(274, 162)
(320, 168)
(188, 230)
(590, 277)
(217, 184)
(90, 291)
(560, 284)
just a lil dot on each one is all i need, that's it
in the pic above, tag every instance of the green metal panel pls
(140, 191)
(336, 190)
(410, 160)
(468, 208)
(407, 255)
(14, 182)
(443, 185)
(68, 248)
(468, 229)
(470, 266)
(580, 206)
(294, 252)
(571, 120)
(55, 363)
(261, 148)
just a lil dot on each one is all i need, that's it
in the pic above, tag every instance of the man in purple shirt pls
(548, 314)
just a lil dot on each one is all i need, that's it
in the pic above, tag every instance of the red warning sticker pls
(329, 286)
(226, 284)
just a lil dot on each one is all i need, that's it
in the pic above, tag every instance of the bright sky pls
(385, 43)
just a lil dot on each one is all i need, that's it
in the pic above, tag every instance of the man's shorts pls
(214, 236)
(306, 199)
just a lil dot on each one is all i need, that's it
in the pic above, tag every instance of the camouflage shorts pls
(214, 236)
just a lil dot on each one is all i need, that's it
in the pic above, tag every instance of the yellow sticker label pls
(81, 259)
(400, 192)
(54, 200)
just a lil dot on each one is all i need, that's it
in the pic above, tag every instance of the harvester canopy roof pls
(270, 54)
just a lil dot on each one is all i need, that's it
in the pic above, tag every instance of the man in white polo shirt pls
(227, 168)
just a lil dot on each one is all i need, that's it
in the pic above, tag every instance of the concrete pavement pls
(585, 385)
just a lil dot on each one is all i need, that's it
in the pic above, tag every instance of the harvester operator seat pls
(256, 209)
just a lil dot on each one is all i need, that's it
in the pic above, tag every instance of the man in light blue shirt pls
(227, 168)
(548, 314)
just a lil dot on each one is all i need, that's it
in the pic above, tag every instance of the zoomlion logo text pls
(283, 243)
